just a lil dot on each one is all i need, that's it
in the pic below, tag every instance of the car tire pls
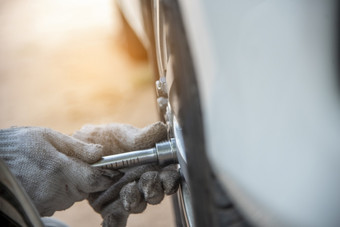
(211, 205)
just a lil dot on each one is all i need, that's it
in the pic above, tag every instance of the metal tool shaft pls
(163, 153)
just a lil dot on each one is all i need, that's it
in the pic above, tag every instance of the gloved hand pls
(51, 166)
(139, 185)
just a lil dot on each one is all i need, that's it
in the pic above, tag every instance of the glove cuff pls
(9, 141)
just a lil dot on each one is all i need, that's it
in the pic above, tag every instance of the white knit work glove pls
(139, 185)
(52, 167)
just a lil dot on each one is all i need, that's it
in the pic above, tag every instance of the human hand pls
(139, 185)
(52, 167)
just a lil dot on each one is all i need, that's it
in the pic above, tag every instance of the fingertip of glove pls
(115, 219)
(150, 135)
(132, 199)
(150, 184)
(170, 181)
(159, 124)
(158, 128)
(92, 153)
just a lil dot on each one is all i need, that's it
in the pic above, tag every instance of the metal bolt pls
(162, 104)
(161, 87)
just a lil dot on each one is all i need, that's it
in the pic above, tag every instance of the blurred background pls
(63, 64)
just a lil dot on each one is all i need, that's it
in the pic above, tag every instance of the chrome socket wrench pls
(163, 153)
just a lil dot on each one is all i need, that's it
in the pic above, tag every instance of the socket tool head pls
(163, 153)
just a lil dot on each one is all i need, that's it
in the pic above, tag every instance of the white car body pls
(269, 86)
(267, 73)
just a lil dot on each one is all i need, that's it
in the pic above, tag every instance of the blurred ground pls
(61, 67)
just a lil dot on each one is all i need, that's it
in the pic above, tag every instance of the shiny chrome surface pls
(160, 38)
(164, 153)
(175, 131)
(167, 152)
(161, 87)
(184, 198)
(181, 154)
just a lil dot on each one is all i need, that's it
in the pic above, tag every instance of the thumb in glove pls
(119, 138)
(51, 166)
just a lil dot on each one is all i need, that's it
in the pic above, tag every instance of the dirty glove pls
(48, 165)
(139, 185)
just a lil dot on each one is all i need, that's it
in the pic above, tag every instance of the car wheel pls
(200, 201)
